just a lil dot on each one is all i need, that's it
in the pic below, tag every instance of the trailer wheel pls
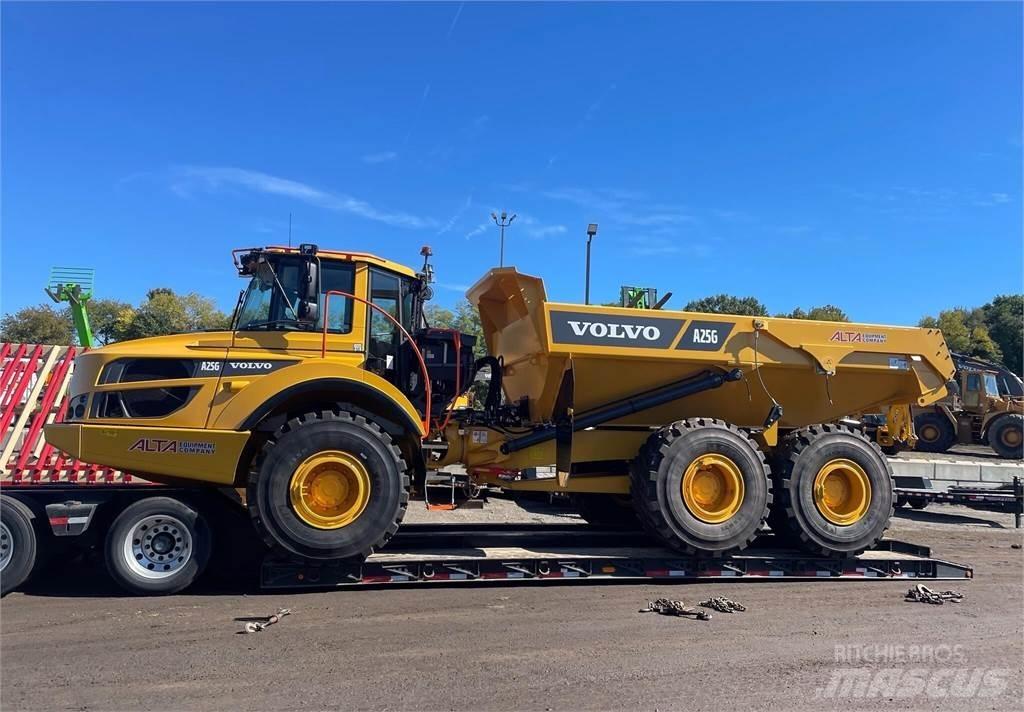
(606, 510)
(701, 486)
(836, 488)
(934, 432)
(1006, 436)
(18, 544)
(157, 546)
(330, 485)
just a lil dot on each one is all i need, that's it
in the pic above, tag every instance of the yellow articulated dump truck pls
(330, 397)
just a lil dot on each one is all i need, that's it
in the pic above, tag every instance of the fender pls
(244, 409)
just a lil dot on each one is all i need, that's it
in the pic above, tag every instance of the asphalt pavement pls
(73, 642)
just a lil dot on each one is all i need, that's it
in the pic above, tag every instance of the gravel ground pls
(71, 642)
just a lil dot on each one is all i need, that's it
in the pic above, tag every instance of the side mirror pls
(309, 311)
(312, 285)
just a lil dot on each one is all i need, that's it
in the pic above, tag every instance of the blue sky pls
(800, 153)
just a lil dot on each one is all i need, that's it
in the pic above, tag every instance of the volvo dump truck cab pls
(330, 397)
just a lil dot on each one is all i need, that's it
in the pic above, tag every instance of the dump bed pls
(818, 371)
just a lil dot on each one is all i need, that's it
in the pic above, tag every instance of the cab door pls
(972, 390)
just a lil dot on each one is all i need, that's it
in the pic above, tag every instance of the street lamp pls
(503, 223)
(591, 231)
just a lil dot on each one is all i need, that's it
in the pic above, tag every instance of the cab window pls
(384, 339)
(973, 382)
(336, 276)
(991, 385)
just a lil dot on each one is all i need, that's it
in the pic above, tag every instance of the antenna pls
(289, 229)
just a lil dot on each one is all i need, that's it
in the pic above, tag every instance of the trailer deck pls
(428, 553)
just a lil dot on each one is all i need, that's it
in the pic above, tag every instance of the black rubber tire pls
(133, 581)
(804, 453)
(269, 479)
(18, 519)
(656, 486)
(998, 430)
(917, 502)
(902, 501)
(606, 510)
(946, 438)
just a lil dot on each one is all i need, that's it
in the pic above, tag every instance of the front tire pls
(836, 489)
(1006, 436)
(329, 485)
(157, 546)
(934, 432)
(701, 486)
(18, 544)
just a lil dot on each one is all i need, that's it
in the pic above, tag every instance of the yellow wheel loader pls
(330, 396)
(976, 410)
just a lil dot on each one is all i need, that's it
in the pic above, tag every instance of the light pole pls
(503, 223)
(591, 231)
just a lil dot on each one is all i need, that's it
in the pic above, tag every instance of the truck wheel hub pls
(6, 546)
(929, 433)
(842, 492)
(157, 546)
(330, 489)
(1011, 437)
(712, 488)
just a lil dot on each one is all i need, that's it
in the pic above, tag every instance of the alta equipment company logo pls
(857, 337)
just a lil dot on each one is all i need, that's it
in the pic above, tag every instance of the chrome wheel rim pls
(157, 547)
(6, 546)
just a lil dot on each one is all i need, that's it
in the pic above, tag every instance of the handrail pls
(415, 348)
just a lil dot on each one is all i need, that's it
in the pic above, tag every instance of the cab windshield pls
(272, 304)
(991, 384)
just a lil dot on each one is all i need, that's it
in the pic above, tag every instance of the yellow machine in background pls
(331, 396)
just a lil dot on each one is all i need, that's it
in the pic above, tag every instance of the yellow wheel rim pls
(929, 433)
(713, 488)
(330, 489)
(1011, 437)
(842, 492)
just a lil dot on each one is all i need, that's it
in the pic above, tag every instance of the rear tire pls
(934, 432)
(1006, 436)
(606, 510)
(157, 546)
(809, 458)
(18, 544)
(679, 453)
(363, 454)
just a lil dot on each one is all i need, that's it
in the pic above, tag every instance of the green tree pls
(1004, 317)
(165, 312)
(983, 346)
(108, 318)
(439, 317)
(828, 312)
(727, 304)
(965, 332)
(38, 325)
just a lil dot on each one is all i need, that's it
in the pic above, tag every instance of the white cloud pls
(382, 157)
(478, 230)
(546, 231)
(455, 218)
(216, 178)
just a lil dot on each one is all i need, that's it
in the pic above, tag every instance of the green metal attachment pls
(74, 285)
